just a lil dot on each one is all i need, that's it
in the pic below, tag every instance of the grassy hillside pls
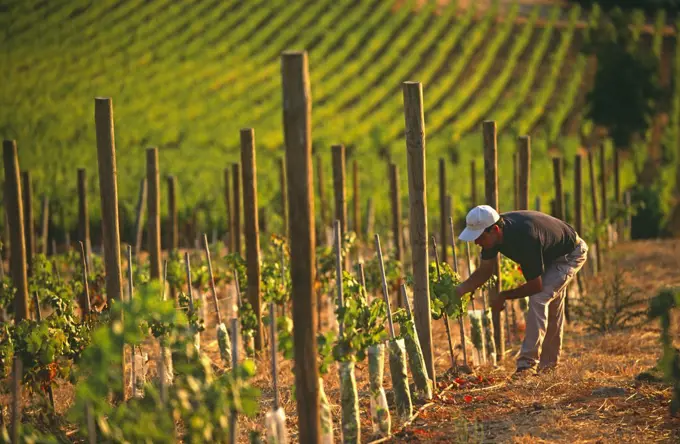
(186, 76)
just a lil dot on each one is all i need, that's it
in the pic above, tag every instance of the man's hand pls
(498, 302)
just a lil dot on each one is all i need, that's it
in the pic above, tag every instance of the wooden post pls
(596, 219)
(284, 196)
(370, 218)
(629, 218)
(515, 180)
(524, 171)
(83, 212)
(298, 138)
(559, 190)
(173, 220)
(442, 209)
(108, 189)
(578, 194)
(14, 207)
(491, 191)
(44, 232)
(139, 221)
(417, 193)
(396, 214)
(29, 225)
(339, 187)
(473, 184)
(322, 194)
(153, 180)
(356, 225)
(251, 228)
(603, 186)
(15, 225)
(617, 191)
(227, 204)
(236, 216)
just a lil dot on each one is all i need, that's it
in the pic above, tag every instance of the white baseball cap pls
(477, 220)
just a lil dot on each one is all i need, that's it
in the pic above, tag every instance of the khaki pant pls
(545, 319)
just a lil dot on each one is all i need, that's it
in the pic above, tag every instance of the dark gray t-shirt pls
(533, 240)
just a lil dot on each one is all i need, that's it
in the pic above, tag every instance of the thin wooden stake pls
(337, 232)
(578, 194)
(559, 190)
(461, 324)
(236, 216)
(233, 417)
(491, 188)
(16, 398)
(154, 212)
(524, 171)
(284, 195)
(249, 164)
(139, 220)
(108, 188)
(384, 285)
(356, 225)
(45, 224)
(275, 376)
(445, 317)
(15, 220)
(322, 194)
(173, 220)
(442, 209)
(415, 145)
(473, 183)
(229, 215)
(298, 141)
(29, 225)
(206, 248)
(396, 214)
(85, 306)
(596, 219)
(339, 187)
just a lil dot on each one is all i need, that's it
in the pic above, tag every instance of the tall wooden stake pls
(596, 219)
(83, 213)
(229, 215)
(173, 220)
(524, 171)
(491, 191)
(415, 145)
(284, 195)
(617, 191)
(45, 225)
(396, 214)
(578, 194)
(473, 184)
(153, 179)
(356, 225)
(603, 185)
(298, 139)
(339, 189)
(559, 190)
(108, 189)
(322, 194)
(14, 207)
(29, 224)
(251, 228)
(236, 216)
(139, 221)
(443, 217)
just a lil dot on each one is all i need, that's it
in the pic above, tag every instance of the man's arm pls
(531, 287)
(476, 279)
(527, 289)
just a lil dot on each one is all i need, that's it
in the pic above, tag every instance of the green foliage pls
(198, 398)
(363, 323)
(626, 91)
(443, 297)
(661, 307)
(393, 273)
(511, 274)
(249, 320)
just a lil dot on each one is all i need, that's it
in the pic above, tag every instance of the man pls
(549, 252)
